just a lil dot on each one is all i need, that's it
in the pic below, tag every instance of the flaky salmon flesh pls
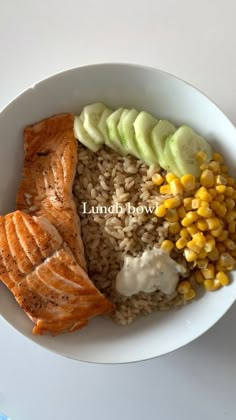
(42, 257)
(44, 277)
(48, 175)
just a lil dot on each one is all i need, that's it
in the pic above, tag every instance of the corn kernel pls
(165, 189)
(229, 191)
(176, 187)
(199, 277)
(202, 263)
(223, 278)
(213, 192)
(220, 198)
(209, 285)
(232, 227)
(196, 203)
(202, 254)
(226, 260)
(188, 182)
(192, 230)
(184, 233)
(203, 194)
(184, 287)
(174, 227)
(230, 203)
(202, 224)
(223, 236)
(220, 180)
(190, 218)
(208, 272)
(231, 181)
(167, 245)
(204, 166)
(230, 216)
(194, 246)
(157, 179)
(181, 243)
(216, 285)
(214, 166)
(218, 208)
(213, 255)
(201, 156)
(199, 238)
(221, 247)
(221, 212)
(171, 215)
(234, 195)
(204, 212)
(160, 211)
(204, 203)
(170, 176)
(207, 178)
(220, 189)
(219, 266)
(190, 255)
(230, 244)
(187, 203)
(212, 285)
(217, 232)
(215, 205)
(229, 268)
(213, 223)
(216, 156)
(190, 294)
(172, 203)
(181, 212)
(210, 243)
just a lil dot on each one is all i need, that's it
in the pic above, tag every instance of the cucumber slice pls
(102, 126)
(83, 137)
(143, 125)
(91, 116)
(114, 139)
(129, 134)
(120, 127)
(184, 145)
(158, 139)
(82, 116)
(168, 160)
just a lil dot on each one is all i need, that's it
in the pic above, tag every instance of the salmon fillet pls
(44, 277)
(48, 175)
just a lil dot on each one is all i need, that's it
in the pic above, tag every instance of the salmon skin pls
(48, 175)
(40, 270)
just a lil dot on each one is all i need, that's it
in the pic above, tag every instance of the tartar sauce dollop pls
(153, 270)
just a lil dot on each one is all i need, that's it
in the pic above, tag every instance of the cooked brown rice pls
(103, 179)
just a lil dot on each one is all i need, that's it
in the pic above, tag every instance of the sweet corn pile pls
(201, 218)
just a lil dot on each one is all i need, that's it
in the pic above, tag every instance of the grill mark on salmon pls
(24, 265)
(28, 242)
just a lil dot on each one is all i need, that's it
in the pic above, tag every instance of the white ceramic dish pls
(131, 86)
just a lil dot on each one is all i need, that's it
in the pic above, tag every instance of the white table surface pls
(196, 40)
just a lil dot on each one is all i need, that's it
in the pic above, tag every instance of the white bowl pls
(117, 85)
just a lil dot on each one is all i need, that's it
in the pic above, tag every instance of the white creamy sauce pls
(153, 270)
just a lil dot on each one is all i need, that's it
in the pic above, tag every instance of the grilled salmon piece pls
(48, 175)
(43, 275)
(25, 242)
